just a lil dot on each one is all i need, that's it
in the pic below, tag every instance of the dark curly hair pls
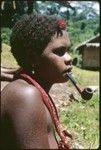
(31, 32)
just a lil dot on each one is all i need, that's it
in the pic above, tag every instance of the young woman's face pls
(55, 60)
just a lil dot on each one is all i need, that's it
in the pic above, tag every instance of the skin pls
(26, 122)
(7, 74)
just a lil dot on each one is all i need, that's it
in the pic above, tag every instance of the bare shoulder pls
(22, 106)
(21, 94)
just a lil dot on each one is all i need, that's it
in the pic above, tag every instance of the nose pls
(68, 59)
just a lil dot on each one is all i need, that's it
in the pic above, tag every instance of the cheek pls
(53, 65)
(51, 69)
(57, 63)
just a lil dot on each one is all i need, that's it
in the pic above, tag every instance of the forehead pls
(57, 41)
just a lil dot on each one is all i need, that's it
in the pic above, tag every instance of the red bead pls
(61, 24)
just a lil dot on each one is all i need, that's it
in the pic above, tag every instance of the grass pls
(81, 117)
(82, 120)
(86, 77)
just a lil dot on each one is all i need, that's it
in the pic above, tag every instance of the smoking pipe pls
(86, 93)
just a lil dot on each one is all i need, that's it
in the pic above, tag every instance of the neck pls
(46, 85)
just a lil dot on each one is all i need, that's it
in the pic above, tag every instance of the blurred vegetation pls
(82, 120)
(5, 35)
(7, 58)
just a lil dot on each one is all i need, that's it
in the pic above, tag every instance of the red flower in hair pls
(61, 24)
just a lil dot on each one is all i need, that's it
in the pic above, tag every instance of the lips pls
(68, 70)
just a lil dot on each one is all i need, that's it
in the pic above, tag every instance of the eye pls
(60, 51)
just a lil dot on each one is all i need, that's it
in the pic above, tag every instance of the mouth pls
(68, 71)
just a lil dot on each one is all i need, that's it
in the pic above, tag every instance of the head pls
(40, 42)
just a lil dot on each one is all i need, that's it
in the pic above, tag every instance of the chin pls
(63, 80)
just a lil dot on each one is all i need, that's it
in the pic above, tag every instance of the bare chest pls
(51, 131)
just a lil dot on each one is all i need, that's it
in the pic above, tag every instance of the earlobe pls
(33, 68)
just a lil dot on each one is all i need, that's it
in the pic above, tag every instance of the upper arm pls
(29, 118)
